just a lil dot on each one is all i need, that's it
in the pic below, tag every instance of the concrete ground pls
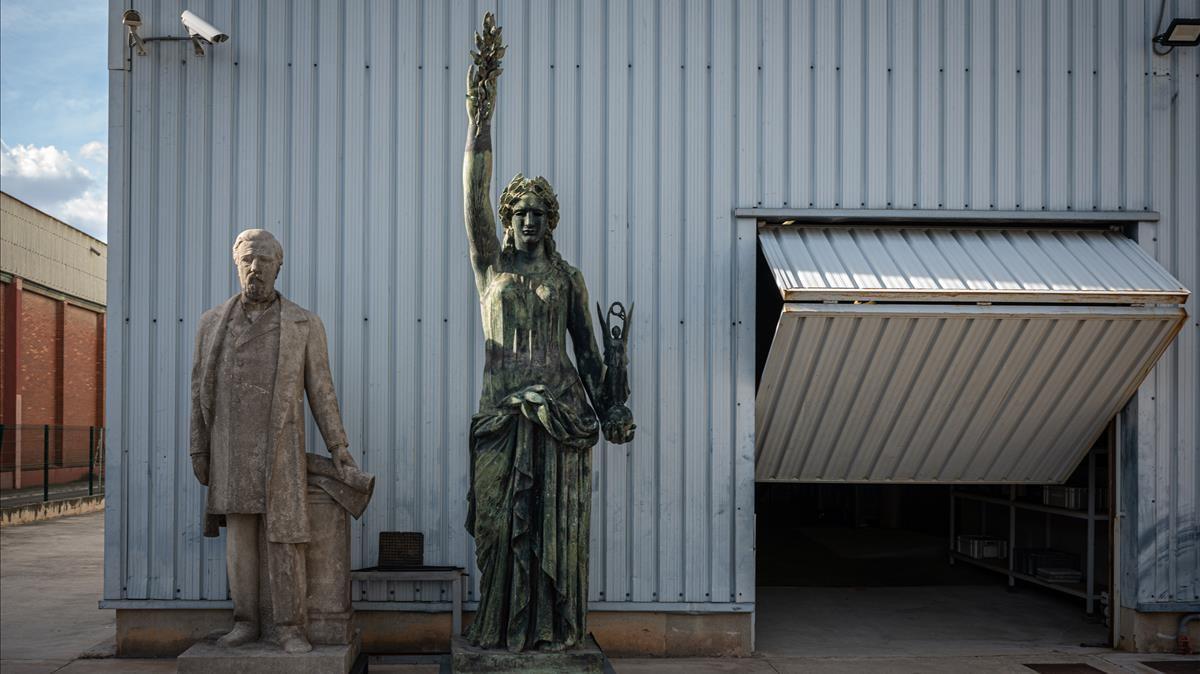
(51, 574)
(50, 582)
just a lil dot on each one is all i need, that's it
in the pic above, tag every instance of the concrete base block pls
(157, 633)
(36, 512)
(1155, 632)
(206, 657)
(467, 658)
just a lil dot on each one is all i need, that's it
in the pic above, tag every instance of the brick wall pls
(58, 369)
(82, 371)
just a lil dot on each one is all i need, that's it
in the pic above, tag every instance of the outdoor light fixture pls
(1181, 33)
(200, 32)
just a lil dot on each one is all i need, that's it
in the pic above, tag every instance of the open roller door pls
(915, 354)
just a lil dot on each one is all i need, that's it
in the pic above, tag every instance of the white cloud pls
(95, 151)
(41, 174)
(49, 179)
(88, 212)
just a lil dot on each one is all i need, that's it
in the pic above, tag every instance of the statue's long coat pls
(303, 366)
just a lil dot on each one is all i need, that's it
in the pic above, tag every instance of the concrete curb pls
(36, 512)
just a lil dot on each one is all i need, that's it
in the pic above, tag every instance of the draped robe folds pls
(529, 507)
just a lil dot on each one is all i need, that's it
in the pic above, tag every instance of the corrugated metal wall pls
(340, 128)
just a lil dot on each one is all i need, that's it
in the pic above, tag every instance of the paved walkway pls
(50, 583)
(51, 574)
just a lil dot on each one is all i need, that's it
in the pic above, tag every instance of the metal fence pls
(41, 463)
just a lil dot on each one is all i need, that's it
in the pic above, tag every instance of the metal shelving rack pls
(1087, 590)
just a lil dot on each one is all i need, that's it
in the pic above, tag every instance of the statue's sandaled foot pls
(291, 640)
(243, 632)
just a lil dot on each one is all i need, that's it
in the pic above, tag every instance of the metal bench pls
(454, 575)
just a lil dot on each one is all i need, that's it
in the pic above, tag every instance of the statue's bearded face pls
(257, 268)
(530, 222)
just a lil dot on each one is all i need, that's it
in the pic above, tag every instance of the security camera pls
(199, 28)
(132, 22)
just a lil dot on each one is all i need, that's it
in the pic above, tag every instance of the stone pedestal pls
(206, 657)
(327, 558)
(467, 658)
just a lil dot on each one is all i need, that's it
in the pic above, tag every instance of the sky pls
(54, 108)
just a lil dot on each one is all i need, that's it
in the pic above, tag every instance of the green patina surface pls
(539, 414)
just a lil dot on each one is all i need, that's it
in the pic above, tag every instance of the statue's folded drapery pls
(529, 509)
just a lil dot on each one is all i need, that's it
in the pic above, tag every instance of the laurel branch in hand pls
(482, 75)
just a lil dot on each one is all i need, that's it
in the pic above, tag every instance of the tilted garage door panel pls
(812, 263)
(929, 393)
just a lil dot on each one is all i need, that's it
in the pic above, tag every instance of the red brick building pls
(52, 323)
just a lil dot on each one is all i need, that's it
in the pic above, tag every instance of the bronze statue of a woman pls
(531, 468)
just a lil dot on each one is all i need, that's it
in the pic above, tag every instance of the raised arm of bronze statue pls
(477, 156)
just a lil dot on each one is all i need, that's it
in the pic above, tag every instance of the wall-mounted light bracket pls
(200, 32)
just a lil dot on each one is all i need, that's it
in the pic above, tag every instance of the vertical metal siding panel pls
(743, 443)
(746, 188)
(850, 99)
(301, 159)
(248, 141)
(538, 43)
(875, 81)
(1031, 78)
(903, 176)
(673, 562)
(352, 317)
(1082, 78)
(980, 103)
(434, 415)
(276, 123)
(643, 220)
(329, 141)
(954, 105)
(1162, 89)
(376, 446)
(220, 211)
(727, 536)
(1186, 267)
(407, 448)
(138, 393)
(117, 41)
(1006, 140)
(773, 129)
(826, 111)
(462, 302)
(117, 334)
(798, 119)
(929, 102)
(511, 125)
(165, 414)
(1056, 111)
(695, 375)
(749, 102)
(606, 106)
(301, 154)
(580, 240)
(1108, 106)
(1134, 113)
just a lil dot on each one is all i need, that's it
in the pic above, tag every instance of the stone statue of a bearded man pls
(257, 355)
